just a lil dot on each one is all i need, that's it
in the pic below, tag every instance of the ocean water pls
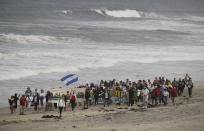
(41, 41)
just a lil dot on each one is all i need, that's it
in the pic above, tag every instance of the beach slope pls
(186, 115)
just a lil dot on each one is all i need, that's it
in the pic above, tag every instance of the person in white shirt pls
(150, 92)
(61, 105)
(145, 94)
(165, 96)
(149, 84)
(42, 96)
(29, 100)
(106, 96)
(190, 87)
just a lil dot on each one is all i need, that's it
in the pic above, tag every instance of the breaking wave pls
(127, 13)
(119, 13)
(35, 39)
(25, 39)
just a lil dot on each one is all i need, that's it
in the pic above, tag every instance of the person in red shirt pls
(73, 101)
(22, 104)
(66, 100)
(155, 95)
(173, 94)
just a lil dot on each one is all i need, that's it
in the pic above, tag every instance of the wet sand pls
(186, 114)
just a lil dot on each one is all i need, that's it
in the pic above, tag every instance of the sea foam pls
(119, 13)
(36, 62)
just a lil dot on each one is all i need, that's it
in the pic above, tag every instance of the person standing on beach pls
(180, 86)
(73, 101)
(183, 86)
(165, 96)
(87, 96)
(12, 104)
(47, 98)
(61, 105)
(131, 95)
(16, 98)
(161, 87)
(149, 84)
(66, 99)
(36, 100)
(28, 91)
(187, 78)
(22, 104)
(150, 92)
(106, 96)
(173, 94)
(175, 84)
(42, 96)
(29, 100)
(155, 93)
(190, 87)
(96, 95)
(156, 82)
(145, 94)
(135, 92)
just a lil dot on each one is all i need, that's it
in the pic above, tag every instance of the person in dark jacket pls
(73, 101)
(96, 95)
(175, 84)
(87, 96)
(16, 98)
(140, 85)
(183, 86)
(36, 99)
(47, 98)
(180, 86)
(131, 95)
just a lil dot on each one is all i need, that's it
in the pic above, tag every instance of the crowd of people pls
(107, 93)
(41, 100)
(154, 93)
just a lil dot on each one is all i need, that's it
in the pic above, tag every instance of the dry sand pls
(186, 115)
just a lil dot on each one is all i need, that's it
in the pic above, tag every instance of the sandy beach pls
(186, 115)
(113, 48)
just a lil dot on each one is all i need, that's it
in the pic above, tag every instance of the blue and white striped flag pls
(69, 79)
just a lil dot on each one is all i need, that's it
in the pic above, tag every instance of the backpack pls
(73, 98)
(156, 92)
(174, 92)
